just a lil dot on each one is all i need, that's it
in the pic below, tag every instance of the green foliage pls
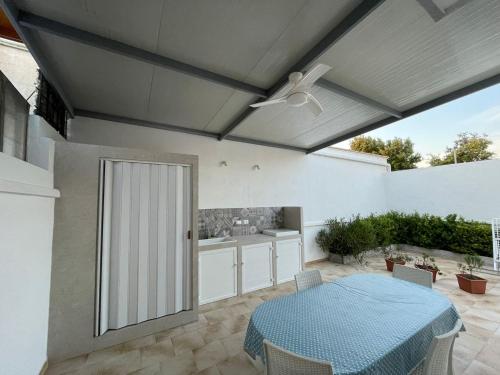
(468, 147)
(347, 237)
(399, 151)
(451, 233)
(472, 262)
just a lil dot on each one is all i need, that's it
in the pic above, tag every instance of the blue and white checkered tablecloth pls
(362, 324)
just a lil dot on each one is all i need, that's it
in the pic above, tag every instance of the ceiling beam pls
(346, 25)
(38, 23)
(337, 89)
(485, 83)
(12, 14)
(179, 129)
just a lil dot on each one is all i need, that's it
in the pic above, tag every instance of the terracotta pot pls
(430, 269)
(474, 286)
(389, 263)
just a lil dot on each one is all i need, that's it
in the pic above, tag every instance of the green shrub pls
(450, 233)
(347, 237)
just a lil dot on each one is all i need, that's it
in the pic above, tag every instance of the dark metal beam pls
(346, 25)
(264, 143)
(180, 129)
(333, 87)
(145, 123)
(485, 83)
(46, 25)
(12, 14)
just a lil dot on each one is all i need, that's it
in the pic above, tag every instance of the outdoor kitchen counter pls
(246, 240)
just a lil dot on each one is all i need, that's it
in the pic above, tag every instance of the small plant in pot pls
(427, 263)
(396, 256)
(466, 279)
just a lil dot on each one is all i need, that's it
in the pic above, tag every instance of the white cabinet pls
(256, 266)
(288, 259)
(217, 274)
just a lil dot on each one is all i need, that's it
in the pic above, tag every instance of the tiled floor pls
(214, 344)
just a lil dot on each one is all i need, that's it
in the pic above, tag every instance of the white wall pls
(26, 222)
(324, 185)
(468, 189)
(19, 67)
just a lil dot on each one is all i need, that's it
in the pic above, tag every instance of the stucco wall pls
(468, 189)
(327, 184)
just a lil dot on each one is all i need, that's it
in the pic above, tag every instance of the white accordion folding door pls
(145, 250)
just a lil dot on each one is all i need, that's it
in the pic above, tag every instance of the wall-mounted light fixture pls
(256, 167)
(223, 163)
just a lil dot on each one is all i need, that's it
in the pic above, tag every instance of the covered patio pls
(185, 173)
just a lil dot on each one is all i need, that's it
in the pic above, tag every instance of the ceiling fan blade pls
(312, 75)
(268, 102)
(314, 105)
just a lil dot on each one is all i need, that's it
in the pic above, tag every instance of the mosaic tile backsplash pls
(223, 222)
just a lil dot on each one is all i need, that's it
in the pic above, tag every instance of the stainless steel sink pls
(215, 240)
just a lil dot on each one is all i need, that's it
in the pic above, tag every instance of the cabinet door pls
(217, 274)
(288, 259)
(256, 267)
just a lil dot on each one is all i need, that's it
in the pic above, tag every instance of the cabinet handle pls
(235, 265)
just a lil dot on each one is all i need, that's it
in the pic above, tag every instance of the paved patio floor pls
(214, 344)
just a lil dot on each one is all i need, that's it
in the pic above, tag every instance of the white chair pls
(413, 275)
(282, 362)
(308, 279)
(439, 358)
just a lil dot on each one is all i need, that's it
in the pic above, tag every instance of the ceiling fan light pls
(297, 99)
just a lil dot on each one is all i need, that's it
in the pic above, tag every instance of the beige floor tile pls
(214, 344)
(218, 315)
(234, 343)
(181, 364)
(118, 365)
(214, 332)
(236, 324)
(209, 355)
(169, 333)
(209, 371)
(150, 370)
(187, 342)
(156, 353)
(478, 368)
(490, 355)
(237, 365)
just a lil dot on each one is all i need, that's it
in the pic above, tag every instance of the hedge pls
(451, 233)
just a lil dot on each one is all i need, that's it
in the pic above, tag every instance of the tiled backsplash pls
(222, 222)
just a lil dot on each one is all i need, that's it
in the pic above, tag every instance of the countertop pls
(246, 240)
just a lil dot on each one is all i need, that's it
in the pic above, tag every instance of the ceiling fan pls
(296, 93)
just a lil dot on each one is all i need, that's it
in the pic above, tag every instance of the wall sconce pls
(256, 167)
(223, 163)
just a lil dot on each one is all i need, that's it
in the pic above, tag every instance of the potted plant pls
(346, 240)
(395, 257)
(427, 263)
(466, 279)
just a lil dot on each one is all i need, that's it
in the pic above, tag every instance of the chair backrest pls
(282, 362)
(414, 275)
(440, 354)
(308, 279)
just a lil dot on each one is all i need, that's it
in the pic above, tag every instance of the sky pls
(434, 130)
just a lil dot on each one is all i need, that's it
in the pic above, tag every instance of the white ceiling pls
(398, 56)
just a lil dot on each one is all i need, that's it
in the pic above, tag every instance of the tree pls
(468, 147)
(399, 152)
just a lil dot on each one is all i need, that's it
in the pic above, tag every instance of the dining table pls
(361, 324)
